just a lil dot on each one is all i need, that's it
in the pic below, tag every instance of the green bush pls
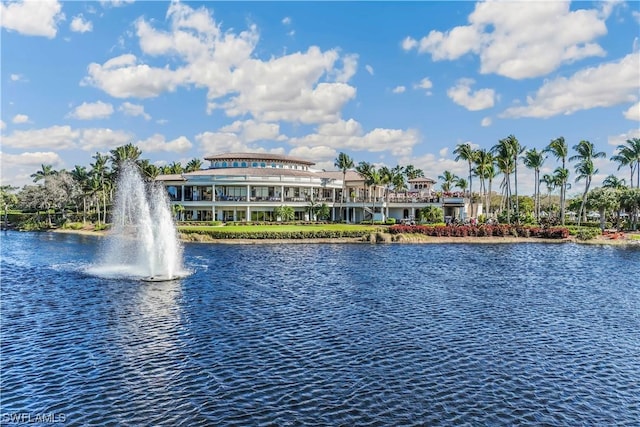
(272, 234)
(391, 221)
(100, 226)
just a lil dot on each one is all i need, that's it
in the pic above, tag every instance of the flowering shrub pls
(484, 230)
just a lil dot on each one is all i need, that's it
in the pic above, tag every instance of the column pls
(248, 198)
(248, 213)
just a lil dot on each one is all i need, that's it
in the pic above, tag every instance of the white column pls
(248, 213)
(248, 192)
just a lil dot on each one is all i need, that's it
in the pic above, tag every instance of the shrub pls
(391, 221)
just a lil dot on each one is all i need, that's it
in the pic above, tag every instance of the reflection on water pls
(325, 335)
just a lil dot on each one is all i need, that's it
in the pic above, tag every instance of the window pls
(244, 164)
(235, 164)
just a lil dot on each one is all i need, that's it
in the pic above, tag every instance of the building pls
(249, 186)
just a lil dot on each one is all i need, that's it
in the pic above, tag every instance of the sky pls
(385, 82)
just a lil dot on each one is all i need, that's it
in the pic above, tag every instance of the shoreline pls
(383, 238)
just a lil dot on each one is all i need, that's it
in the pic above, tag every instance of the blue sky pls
(386, 82)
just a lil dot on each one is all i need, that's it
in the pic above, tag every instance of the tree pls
(193, 165)
(100, 182)
(550, 182)
(123, 153)
(432, 214)
(484, 164)
(448, 178)
(614, 182)
(45, 172)
(560, 150)
(174, 168)
(81, 176)
(285, 213)
(344, 163)
(462, 184)
(534, 159)
(630, 201)
(7, 200)
(412, 173)
(468, 154)
(604, 200)
(585, 168)
(629, 155)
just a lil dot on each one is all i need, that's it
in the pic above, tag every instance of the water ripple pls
(325, 335)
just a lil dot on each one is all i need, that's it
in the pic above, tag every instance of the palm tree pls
(559, 149)
(175, 168)
(629, 155)
(449, 179)
(483, 159)
(123, 153)
(44, 172)
(614, 182)
(534, 159)
(585, 168)
(344, 163)
(604, 200)
(507, 151)
(100, 181)
(81, 176)
(462, 184)
(193, 165)
(465, 152)
(412, 173)
(550, 182)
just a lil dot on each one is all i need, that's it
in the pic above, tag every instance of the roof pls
(253, 172)
(258, 156)
(170, 177)
(423, 179)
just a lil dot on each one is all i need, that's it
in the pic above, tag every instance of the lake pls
(323, 334)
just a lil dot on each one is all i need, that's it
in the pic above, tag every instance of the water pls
(324, 335)
(143, 241)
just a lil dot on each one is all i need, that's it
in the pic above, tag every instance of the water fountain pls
(143, 240)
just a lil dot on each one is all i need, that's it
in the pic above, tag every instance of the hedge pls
(221, 233)
(484, 230)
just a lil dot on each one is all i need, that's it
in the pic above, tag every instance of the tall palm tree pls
(449, 179)
(534, 159)
(175, 168)
(44, 172)
(560, 150)
(81, 176)
(550, 182)
(462, 184)
(507, 151)
(344, 163)
(467, 153)
(483, 159)
(193, 165)
(100, 181)
(631, 154)
(585, 168)
(624, 157)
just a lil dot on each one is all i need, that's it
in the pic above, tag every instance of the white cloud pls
(399, 89)
(251, 131)
(486, 122)
(462, 95)
(17, 168)
(584, 90)
(319, 154)
(633, 113)
(3, 125)
(92, 111)
(620, 139)
(409, 43)
(32, 18)
(162, 121)
(301, 87)
(54, 137)
(18, 78)
(115, 3)
(348, 134)
(103, 138)
(520, 39)
(286, 20)
(20, 118)
(123, 77)
(349, 67)
(425, 84)
(133, 110)
(228, 142)
(79, 25)
(157, 143)
(369, 69)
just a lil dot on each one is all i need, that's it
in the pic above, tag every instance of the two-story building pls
(249, 186)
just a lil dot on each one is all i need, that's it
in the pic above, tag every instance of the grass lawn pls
(288, 228)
